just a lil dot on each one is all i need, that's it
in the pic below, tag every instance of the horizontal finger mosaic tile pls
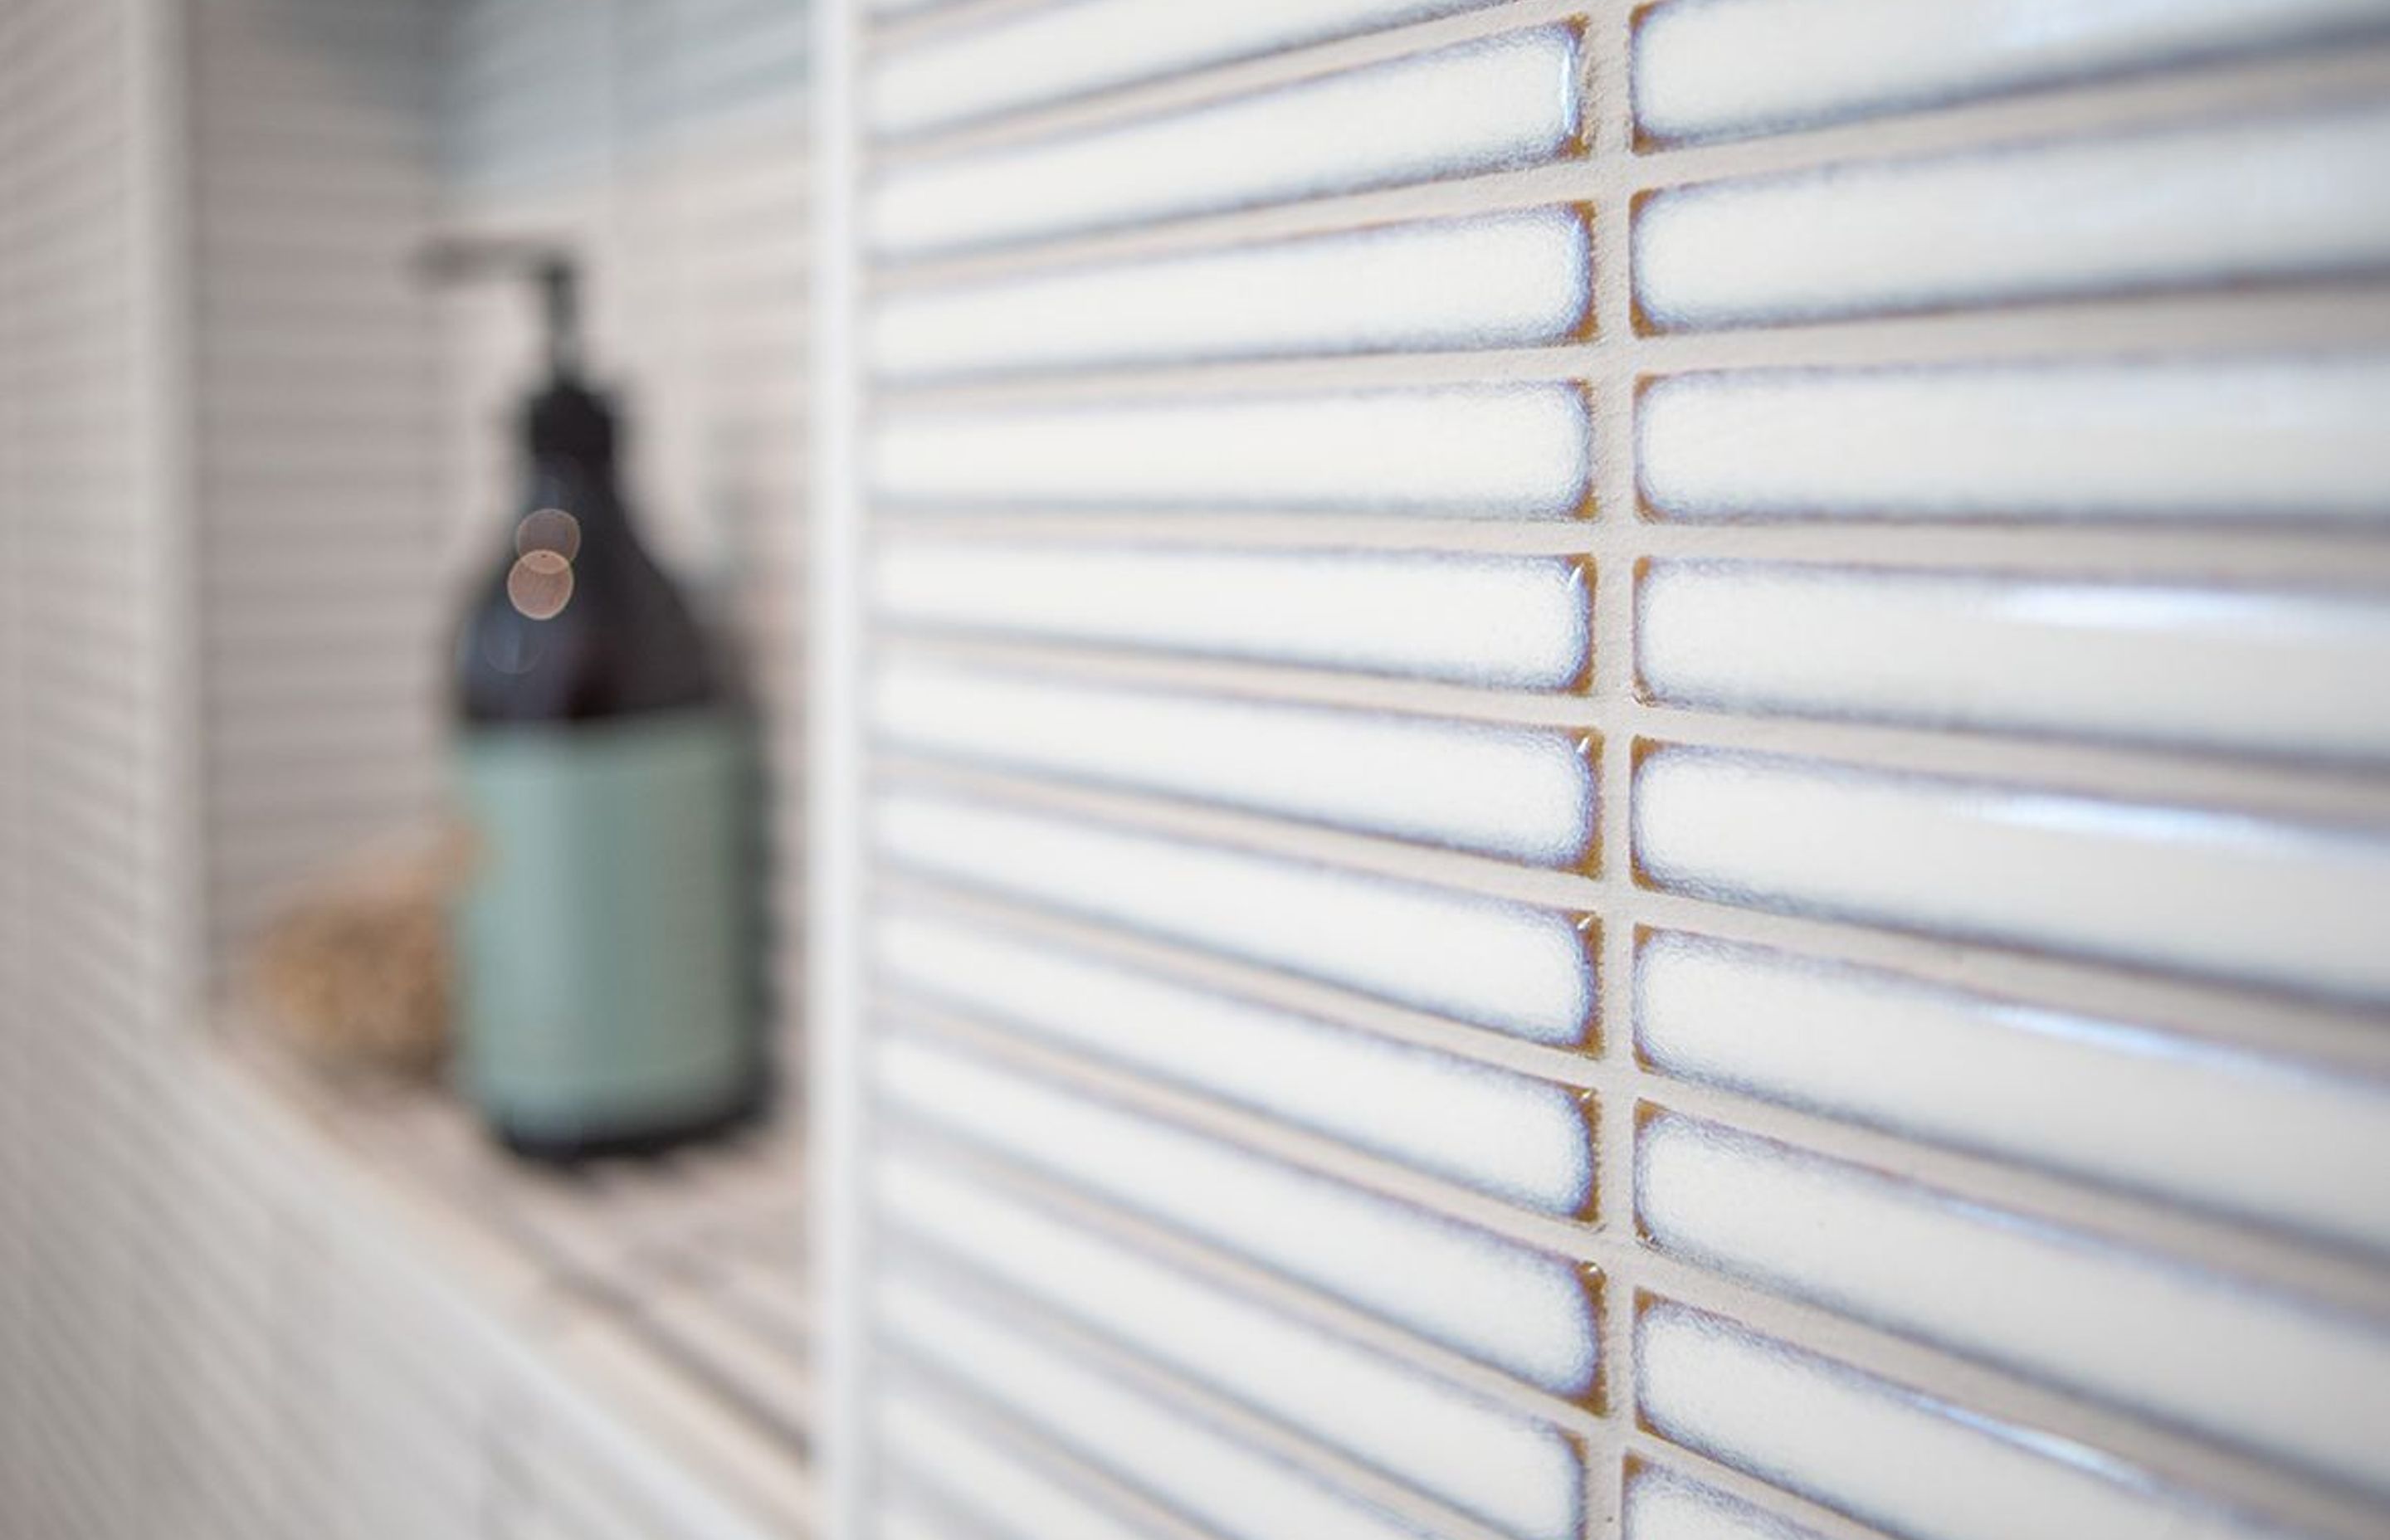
(2258, 670)
(2221, 440)
(1614, 769)
(1505, 791)
(1499, 280)
(1712, 67)
(1062, 52)
(1521, 1311)
(1481, 106)
(1519, 451)
(1521, 1138)
(1464, 1450)
(1509, 622)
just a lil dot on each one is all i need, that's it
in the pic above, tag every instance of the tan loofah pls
(356, 973)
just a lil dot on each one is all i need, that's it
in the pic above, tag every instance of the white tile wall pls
(1922, 458)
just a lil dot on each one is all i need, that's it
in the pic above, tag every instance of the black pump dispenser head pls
(566, 418)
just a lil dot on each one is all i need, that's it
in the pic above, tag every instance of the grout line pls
(2346, 1035)
(2165, 1232)
(2183, 97)
(1617, 553)
(2302, 554)
(2345, 792)
(2336, 314)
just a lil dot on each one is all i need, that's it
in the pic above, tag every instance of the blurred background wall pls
(247, 460)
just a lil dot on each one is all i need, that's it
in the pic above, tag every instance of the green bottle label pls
(604, 935)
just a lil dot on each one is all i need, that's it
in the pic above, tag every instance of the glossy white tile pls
(2293, 1381)
(1505, 101)
(1521, 1475)
(929, 1443)
(1661, 1505)
(1516, 451)
(2024, 223)
(1139, 1438)
(1525, 1140)
(1889, 1455)
(2267, 438)
(1519, 1310)
(2186, 889)
(2266, 1142)
(1499, 280)
(1717, 67)
(1512, 792)
(1493, 621)
(1505, 965)
(1028, 58)
(2246, 670)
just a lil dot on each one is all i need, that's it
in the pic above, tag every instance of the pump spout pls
(459, 259)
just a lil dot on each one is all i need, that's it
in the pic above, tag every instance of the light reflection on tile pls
(1525, 1140)
(1889, 1456)
(1502, 102)
(2015, 223)
(1716, 67)
(2267, 1142)
(1514, 451)
(2239, 440)
(1518, 1310)
(1495, 621)
(2201, 891)
(2262, 672)
(2293, 1381)
(1504, 791)
(1505, 965)
(1499, 280)
(1520, 1475)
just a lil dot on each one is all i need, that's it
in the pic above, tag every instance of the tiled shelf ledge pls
(667, 1293)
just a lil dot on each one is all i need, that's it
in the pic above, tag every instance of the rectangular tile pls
(1891, 1456)
(2266, 1142)
(1515, 1309)
(1196, 1467)
(2273, 673)
(1521, 1139)
(1707, 68)
(1517, 622)
(1505, 965)
(1485, 106)
(1661, 1505)
(1498, 280)
(1515, 451)
(1503, 791)
(2241, 438)
(1505, 1469)
(2291, 1381)
(2186, 889)
(1026, 58)
(2144, 212)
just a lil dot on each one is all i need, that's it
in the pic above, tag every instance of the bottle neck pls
(589, 494)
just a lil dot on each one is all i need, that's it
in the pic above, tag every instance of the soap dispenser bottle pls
(607, 1001)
